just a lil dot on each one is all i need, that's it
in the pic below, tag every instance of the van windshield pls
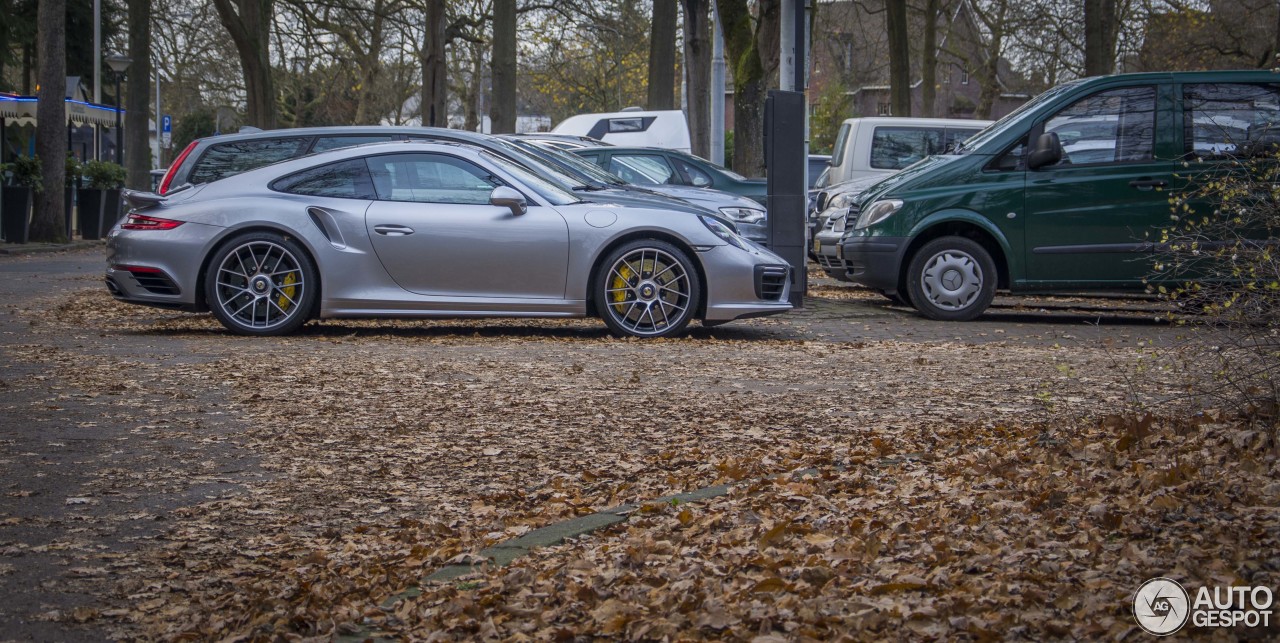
(997, 128)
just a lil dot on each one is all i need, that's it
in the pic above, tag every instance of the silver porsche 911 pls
(431, 230)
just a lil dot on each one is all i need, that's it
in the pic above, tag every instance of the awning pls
(21, 110)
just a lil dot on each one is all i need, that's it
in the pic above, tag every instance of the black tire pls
(647, 288)
(261, 284)
(951, 279)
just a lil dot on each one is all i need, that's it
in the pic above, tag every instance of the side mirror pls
(506, 197)
(1047, 151)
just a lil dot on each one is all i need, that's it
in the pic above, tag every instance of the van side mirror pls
(1047, 151)
(505, 197)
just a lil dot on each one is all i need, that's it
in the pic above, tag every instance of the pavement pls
(78, 487)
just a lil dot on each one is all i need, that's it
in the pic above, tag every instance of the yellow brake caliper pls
(620, 282)
(287, 292)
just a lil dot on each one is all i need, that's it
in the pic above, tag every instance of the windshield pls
(555, 194)
(999, 127)
(547, 170)
(733, 175)
(572, 163)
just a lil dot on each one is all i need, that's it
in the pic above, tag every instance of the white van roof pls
(632, 127)
(919, 122)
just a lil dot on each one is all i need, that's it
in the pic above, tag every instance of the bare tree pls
(662, 55)
(51, 139)
(137, 143)
(697, 65)
(750, 77)
(502, 113)
(899, 57)
(1101, 27)
(435, 70)
(249, 24)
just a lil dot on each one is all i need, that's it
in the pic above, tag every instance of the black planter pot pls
(15, 213)
(98, 211)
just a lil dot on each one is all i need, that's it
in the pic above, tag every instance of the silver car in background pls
(411, 229)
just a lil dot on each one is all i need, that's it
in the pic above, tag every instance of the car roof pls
(355, 130)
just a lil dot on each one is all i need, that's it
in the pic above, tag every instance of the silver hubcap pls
(259, 285)
(951, 280)
(648, 291)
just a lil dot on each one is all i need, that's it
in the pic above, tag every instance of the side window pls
(652, 167)
(344, 180)
(430, 178)
(842, 141)
(693, 175)
(622, 125)
(1114, 126)
(325, 143)
(229, 159)
(1010, 160)
(1230, 120)
(893, 148)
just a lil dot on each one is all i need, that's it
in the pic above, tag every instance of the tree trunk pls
(27, 70)
(929, 61)
(749, 82)
(502, 113)
(662, 56)
(49, 224)
(435, 73)
(1100, 32)
(899, 57)
(137, 144)
(697, 65)
(249, 24)
(989, 72)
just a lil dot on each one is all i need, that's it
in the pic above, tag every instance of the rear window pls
(229, 159)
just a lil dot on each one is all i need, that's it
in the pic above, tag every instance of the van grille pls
(771, 282)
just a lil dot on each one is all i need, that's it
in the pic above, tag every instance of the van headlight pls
(721, 230)
(743, 215)
(877, 212)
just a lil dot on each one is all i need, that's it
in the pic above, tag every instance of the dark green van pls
(1065, 194)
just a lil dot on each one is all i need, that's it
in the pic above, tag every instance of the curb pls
(502, 554)
(16, 249)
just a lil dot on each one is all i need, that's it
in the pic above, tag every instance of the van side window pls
(1226, 120)
(893, 148)
(1113, 126)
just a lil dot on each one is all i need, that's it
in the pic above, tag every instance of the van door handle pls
(393, 230)
(1147, 184)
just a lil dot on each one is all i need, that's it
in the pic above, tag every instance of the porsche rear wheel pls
(647, 288)
(261, 283)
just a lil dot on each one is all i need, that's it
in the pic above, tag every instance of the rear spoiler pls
(139, 200)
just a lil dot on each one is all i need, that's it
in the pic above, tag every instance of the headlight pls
(743, 215)
(721, 230)
(877, 212)
(843, 200)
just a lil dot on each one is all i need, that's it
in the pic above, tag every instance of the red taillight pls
(173, 168)
(145, 270)
(137, 221)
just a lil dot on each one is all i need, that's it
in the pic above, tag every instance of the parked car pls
(567, 142)
(633, 126)
(819, 166)
(883, 145)
(827, 227)
(749, 217)
(412, 229)
(651, 166)
(213, 158)
(1014, 208)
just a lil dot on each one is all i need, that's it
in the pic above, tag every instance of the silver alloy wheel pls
(260, 285)
(951, 279)
(648, 291)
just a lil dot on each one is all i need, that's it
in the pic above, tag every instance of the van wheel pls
(951, 279)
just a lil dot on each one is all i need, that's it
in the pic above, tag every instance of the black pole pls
(119, 125)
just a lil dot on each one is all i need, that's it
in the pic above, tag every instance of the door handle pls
(1147, 184)
(393, 230)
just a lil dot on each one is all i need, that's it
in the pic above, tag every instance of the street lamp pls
(118, 64)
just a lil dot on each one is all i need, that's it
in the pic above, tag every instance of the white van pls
(883, 145)
(632, 127)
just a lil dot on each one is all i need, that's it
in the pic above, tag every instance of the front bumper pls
(874, 262)
(743, 284)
